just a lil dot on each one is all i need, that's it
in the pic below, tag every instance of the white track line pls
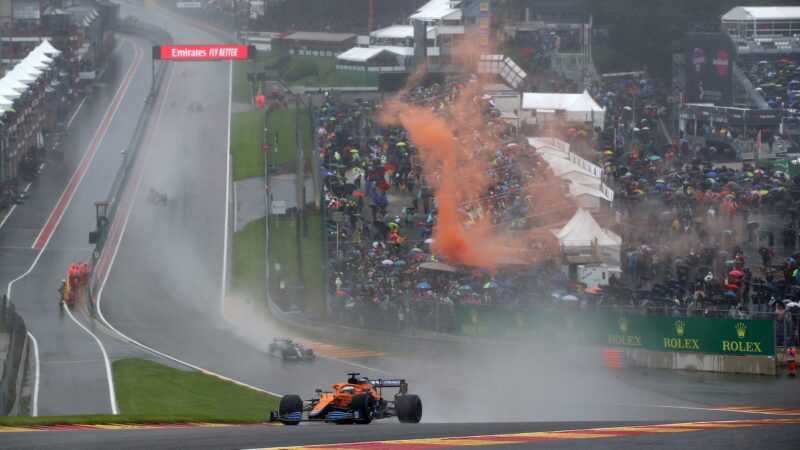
(14, 206)
(117, 244)
(10, 287)
(80, 105)
(97, 140)
(35, 399)
(111, 392)
(227, 197)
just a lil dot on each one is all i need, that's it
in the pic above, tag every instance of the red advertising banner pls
(202, 52)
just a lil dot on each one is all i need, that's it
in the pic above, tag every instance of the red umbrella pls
(358, 194)
(383, 185)
(735, 273)
(390, 167)
(341, 292)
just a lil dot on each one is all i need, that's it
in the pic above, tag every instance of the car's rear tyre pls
(290, 404)
(409, 408)
(362, 406)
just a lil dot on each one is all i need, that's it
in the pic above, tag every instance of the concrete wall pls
(752, 365)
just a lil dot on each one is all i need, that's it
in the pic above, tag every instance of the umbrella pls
(341, 292)
(712, 174)
(393, 225)
(358, 194)
(399, 263)
(466, 287)
(593, 290)
(420, 256)
(608, 152)
(387, 262)
(793, 305)
(423, 285)
(429, 241)
(735, 273)
(491, 285)
(416, 250)
(569, 298)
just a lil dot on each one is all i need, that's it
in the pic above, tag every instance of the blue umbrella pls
(712, 174)
(661, 185)
(423, 285)
(466, 287)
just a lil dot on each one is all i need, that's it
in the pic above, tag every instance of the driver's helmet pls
(348, 390)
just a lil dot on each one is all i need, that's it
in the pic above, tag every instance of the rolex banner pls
(677, 334)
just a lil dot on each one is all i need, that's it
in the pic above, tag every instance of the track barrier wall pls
(659, 333)
(11, 324)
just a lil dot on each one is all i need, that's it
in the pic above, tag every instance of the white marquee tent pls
(576, 107)
(583, 228)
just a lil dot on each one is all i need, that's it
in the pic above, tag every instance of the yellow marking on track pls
(15, 429)
(759, 410)
(532, 438)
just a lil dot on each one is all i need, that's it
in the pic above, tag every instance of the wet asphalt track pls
(164, 291)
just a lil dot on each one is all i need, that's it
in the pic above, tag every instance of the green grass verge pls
(283, 250)
(149, 392)
(248, 260)
(247, 137)
(241, 87)
(281, 124)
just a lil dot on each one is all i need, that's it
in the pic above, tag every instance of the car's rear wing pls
(393, 383)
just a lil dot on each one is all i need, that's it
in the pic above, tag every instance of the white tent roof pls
(438, 10)
(399, 32)
(576, 190)
(361, 54)
(7, 91)
(40, 56)
(564, 102)
(48, 48)
(33, 62)
(14, 82)
(763, 13)
(5, 103)
(23, 75)
(583, 227)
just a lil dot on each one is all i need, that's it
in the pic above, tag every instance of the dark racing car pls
(359, 400)
(287, 349)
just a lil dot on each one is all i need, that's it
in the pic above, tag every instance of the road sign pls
(278, 207)
(203, 52)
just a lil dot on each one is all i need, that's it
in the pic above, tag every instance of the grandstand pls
(764, 30)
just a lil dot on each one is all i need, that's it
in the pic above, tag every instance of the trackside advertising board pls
(663, 333)
(203, 52)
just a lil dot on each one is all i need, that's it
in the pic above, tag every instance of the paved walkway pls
(250, 204)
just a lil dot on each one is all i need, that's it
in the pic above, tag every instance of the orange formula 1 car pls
(359, 400)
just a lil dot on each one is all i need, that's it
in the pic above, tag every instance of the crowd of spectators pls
(382, 272)
(778, 82)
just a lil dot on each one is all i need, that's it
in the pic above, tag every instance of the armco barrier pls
(599, 328)
(12, 324)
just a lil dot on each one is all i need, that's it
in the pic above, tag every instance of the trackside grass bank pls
(149, 392)
(247, 136)
(248, 260)
(283, 250)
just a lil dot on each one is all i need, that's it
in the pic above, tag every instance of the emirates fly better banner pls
(202, 52)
